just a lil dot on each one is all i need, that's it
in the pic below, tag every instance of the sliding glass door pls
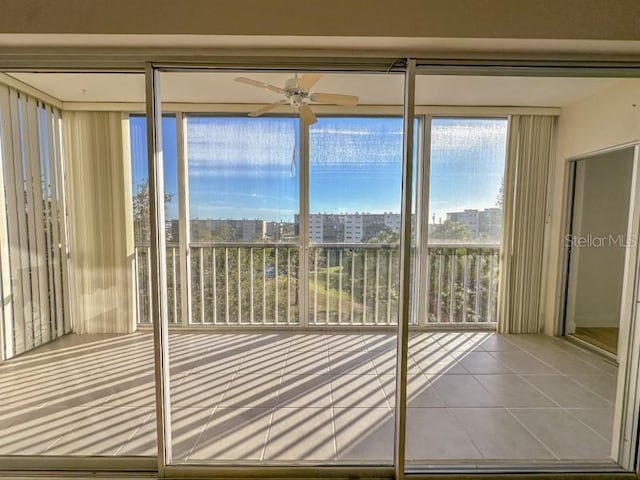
(263, 245)
(289, 242)
(282, 269)
(75, 381)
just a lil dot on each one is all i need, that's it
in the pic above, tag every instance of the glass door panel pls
(77, 377)
(252, 378)
(484, 398)
(446, 401)
(355, 177)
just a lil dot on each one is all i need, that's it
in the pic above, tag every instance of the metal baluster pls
(340, 286)
(251, 320)
(364, 290)
(226, 284)
(175, 287)
(353, 282)
(136, 268)
(277, 278)
(215, 286)
(478, 276)
(452, 286)
(389, 284)
(327, 287)
(315, 293)
(430, 312)
(264, 285)
(239, 286)
(490, 288)
(377, 285)
(201, 263)
(440, 281)
(465, 283)
(148, 253)
(428, 289)
(288, 286)
(496, 253)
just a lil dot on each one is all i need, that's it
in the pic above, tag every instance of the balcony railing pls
(348, 284)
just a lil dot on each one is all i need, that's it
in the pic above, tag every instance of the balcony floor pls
(312, 397)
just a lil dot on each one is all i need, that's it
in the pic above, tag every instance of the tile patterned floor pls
(314, 397)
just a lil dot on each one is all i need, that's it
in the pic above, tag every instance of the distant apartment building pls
(353, 228)
(349, 227)
(332, 228)
(471, 218)
(316, 228)
(324, 227)
(393, 221)
(491, 223)
(271, 228)
(485, 223)
(251, 229)
(228, 230)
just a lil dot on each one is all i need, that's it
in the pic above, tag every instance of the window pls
(355, 180)
(140, 190)
(243, 206)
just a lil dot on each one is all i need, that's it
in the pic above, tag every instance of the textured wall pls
(601, 121)
(559, 19)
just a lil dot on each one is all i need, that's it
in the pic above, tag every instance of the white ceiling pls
(373, 89)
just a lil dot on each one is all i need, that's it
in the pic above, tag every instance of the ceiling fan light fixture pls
(297, 93)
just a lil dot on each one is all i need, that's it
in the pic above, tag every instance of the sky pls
(249, 168)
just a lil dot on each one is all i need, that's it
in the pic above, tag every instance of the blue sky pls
(248, 168)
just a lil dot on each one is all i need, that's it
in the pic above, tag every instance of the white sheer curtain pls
(529, 152)
(99, 183)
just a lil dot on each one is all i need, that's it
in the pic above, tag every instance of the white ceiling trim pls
(244, 108)
(330, 44)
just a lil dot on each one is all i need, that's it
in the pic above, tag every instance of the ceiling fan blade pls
(307, 115)
(335, 99)
(308, 80)
(266, 108)
(256, 83)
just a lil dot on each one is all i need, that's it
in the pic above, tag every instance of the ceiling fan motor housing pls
(294, 93)
(296, 99)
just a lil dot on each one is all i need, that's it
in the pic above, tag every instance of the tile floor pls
(312, 397)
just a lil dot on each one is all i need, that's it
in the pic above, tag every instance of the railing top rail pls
(353, 246)
(243, 244)
(464, 245)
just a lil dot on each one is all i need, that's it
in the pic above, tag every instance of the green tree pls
(142, 239)
(450, 230)
(141, 216)
(384, 235)
(500, 196)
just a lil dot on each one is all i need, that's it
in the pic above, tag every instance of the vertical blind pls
(34, 281)
(530, 149)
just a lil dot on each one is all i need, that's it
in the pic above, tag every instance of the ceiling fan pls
(297, 94)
